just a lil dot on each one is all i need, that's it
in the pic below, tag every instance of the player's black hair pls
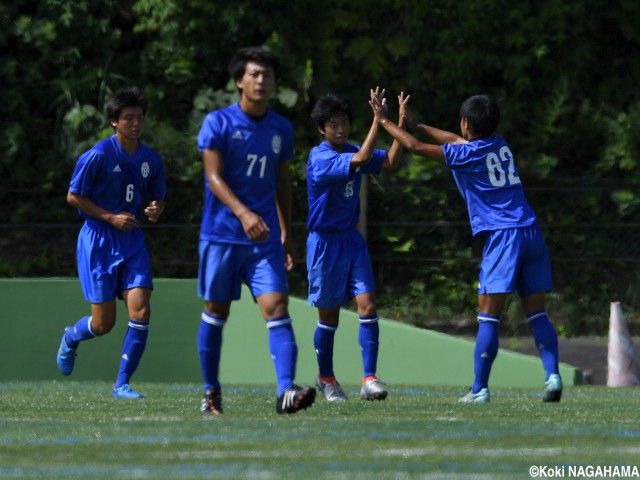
(123, 98)
(238, 63)
(482, 113)
(329, 105)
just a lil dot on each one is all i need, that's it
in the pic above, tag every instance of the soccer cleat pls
(295, 398)
(482, 396)
(332, 390)
(373, 389)
(66, 357)
(125, 391)
(211, 403)
(552, 389)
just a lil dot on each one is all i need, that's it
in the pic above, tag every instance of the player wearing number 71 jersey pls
(245, 234)
(515, 256)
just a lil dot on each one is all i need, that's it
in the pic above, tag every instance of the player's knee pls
(140, 314)
(368, 310)
(102, 328)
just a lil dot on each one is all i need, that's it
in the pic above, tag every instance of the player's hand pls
(378, 103)
(405, 113)
(153, 211)
(403, 109)
(290, 255)
(254, 226)
(124, 221)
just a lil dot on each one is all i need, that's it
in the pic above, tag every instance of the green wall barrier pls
(34, 312)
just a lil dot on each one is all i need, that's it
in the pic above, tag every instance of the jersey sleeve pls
(375, 165)
(327, 166)
(209, 136)
(85, 172)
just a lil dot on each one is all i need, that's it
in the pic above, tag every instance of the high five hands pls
(378, 104)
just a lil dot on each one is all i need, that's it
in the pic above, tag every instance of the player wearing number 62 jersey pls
(515, 256)
(246, 149)
(108, 186)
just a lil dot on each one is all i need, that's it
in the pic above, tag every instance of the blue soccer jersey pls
(486, 174)
(252, 150)
(117, 181)
(333, 190)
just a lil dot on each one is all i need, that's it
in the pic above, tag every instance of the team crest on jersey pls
(276, 144)
(145, 169)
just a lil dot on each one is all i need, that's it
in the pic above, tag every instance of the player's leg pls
(328, 270)
(487, 340)
(266, 276)
(323, 341)
(135, 285)
(496, 281)
(101, 321)
(94, 254)
(535, 279)
(219, 284)
(137, 301)
(361, 286)
(369, 340)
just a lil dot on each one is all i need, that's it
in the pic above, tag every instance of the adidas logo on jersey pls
(117, 169)
(237, 135)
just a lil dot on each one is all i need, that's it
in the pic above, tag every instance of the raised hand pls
(405, 115)
(378, 103)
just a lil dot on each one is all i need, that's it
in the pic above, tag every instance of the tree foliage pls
(566, 79)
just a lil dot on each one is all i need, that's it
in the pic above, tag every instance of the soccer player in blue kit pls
(109, 183)
(515, 256)
(246, 225)
(338, 262)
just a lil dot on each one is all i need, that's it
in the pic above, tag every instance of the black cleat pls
(211, 403)
(295, 398)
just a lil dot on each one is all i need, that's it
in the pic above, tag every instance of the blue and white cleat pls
(552, 389)
(125, 391)
(66, 357)
(482, 396)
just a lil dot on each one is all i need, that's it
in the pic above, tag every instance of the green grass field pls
(62, 429)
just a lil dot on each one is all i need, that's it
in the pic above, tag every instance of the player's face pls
(336, 131)
(130, 124)
(258, 82)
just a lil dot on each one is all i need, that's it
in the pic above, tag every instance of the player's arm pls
(392, 160)
(405, 139)
(437, 135)
(122, 220)
(363, 156)
(253, 225)
(284, 205)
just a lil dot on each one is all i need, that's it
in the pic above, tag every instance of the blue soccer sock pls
(323, 343)
(546, 340)
(486, 350)
(80, 331)
(284, 351)
(368, 338)
(209, 349)
(135, 341)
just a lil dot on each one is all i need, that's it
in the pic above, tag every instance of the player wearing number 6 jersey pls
(109, 183)
(246, 225)
(515, 256)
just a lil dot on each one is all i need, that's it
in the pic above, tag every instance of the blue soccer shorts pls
(224, 266)
(515, 259)
(111, 261)
(339, 268)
